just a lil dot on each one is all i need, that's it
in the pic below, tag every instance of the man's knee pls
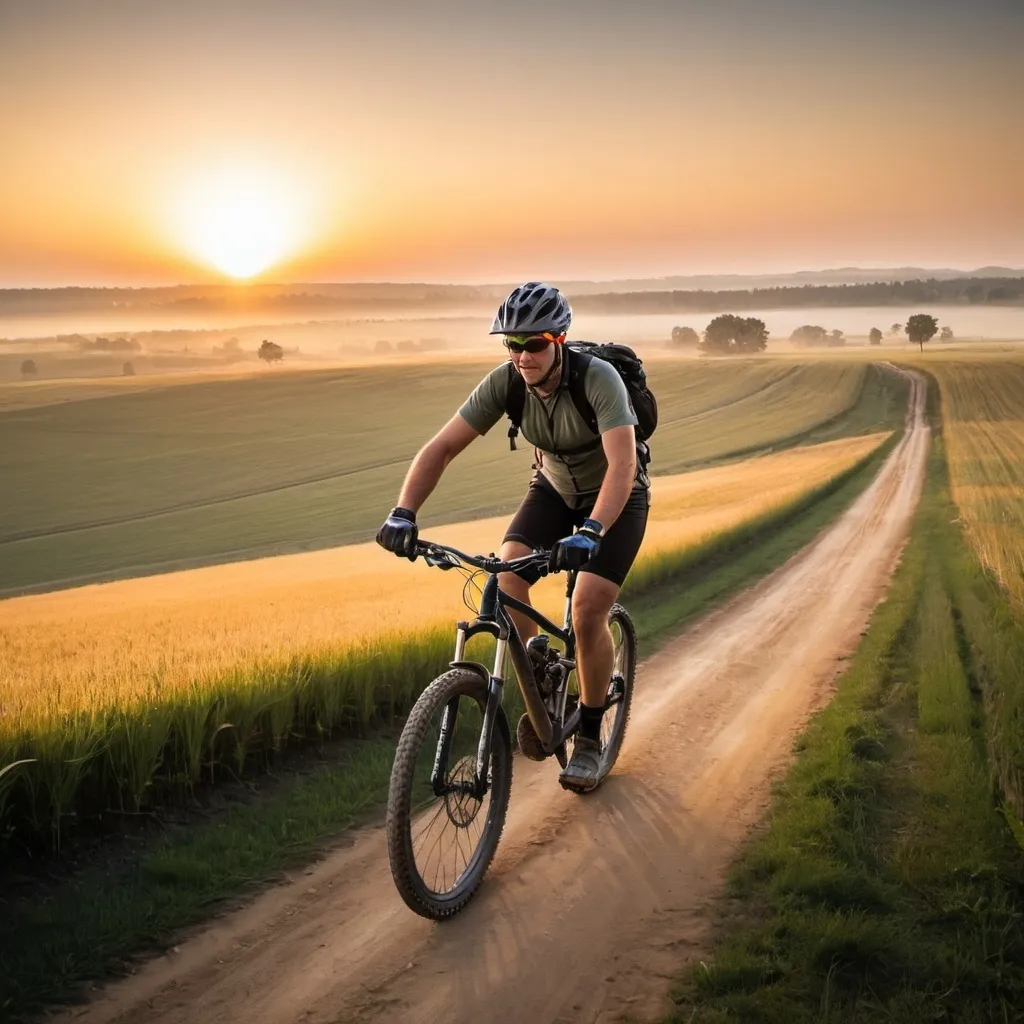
(509, 581)
(591, 602)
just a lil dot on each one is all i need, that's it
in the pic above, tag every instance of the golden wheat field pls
(109, 689)
(983, 423)
(114, 642)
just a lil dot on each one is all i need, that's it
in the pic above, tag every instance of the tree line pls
(963, 291)
(729, 334)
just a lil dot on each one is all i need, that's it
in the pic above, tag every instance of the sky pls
(475, 141)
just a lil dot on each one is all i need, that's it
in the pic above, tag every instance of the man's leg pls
(597, 587)
(517, 587)
(543, 518)
(595, 653)
(595, 656)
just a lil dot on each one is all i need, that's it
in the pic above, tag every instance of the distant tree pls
(946, 334)
(270, 352)
(875, 337)
(128, 370)
(29, 368)
(809, 334)
(729, 334)
(921, 328)
(382, 347)
(685, 337)
(896, 330)
(407, 346)
(836, 339)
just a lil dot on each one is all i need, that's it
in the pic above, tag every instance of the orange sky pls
(460, 143)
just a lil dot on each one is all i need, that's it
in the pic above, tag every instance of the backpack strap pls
(515, 402)
(578, 364)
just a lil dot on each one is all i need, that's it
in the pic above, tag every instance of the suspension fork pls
(495, 686)
(449, 723)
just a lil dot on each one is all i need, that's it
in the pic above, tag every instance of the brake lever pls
(440, 559)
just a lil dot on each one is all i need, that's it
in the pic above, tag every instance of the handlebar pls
(445, 557)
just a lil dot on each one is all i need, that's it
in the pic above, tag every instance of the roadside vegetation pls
(226, 470)
(886, 883)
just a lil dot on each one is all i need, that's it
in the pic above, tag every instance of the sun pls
(241, 219)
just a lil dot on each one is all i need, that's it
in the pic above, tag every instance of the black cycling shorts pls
(544, 518)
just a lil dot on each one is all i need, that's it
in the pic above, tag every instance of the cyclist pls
(593, 483)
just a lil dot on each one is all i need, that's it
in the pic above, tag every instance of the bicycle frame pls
(494, 619)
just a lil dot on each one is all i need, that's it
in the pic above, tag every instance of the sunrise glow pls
(241, 219)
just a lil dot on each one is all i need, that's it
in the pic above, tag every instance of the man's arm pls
(432, 460)
(619, 445)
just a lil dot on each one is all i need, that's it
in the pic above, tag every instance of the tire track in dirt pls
(592, 905)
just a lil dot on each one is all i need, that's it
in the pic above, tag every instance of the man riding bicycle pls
(593, 482)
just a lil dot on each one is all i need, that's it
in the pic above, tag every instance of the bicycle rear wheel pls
(441, 841)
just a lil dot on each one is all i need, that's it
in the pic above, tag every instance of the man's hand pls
(575, 551)
(399, 533)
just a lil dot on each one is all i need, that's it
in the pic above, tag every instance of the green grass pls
(885, 885)
(194, 474)
(96, 919)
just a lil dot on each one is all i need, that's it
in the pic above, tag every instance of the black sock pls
(590, 722)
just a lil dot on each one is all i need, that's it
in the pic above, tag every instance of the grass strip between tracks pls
(886, 884)
(91, 922)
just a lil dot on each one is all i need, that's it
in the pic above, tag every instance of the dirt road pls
(591, 906)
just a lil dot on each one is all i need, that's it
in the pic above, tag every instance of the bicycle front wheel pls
(441, 835)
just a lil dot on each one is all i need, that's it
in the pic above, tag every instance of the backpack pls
(578, 356)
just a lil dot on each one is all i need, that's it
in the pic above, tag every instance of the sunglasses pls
(528, 342)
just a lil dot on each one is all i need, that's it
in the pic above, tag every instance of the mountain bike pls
(452, 775)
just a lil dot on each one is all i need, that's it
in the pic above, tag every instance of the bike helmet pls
(533, 308)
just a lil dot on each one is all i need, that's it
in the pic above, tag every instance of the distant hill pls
(328, 299)
(837, 276)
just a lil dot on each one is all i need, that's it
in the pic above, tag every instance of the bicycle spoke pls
(445, 837)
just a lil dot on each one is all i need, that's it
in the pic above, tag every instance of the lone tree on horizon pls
(729, 334)
(29, 368)
(270, 352)
(875, 337)
(896, 330)
(685, 337)
(809, 334)
(946, 334)
(921, 328)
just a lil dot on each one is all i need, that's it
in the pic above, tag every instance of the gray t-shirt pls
(554, 426)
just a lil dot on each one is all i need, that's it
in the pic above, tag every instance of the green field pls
(145, 481)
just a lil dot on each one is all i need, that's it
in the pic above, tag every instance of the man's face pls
(534, 365)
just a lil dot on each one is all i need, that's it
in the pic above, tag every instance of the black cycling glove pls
(575, 551)
(399, 533)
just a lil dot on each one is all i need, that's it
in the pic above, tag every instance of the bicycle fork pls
(449, 718)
